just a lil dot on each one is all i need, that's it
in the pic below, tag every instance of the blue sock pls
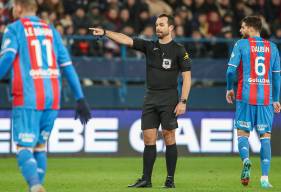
(28, 167)
(41, 158)
(243, 146)
(265, 155)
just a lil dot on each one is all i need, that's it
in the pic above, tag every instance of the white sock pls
(264, 178)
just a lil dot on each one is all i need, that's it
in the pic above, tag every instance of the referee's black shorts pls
(158, 108)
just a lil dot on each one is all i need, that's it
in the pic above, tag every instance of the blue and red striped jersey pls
(40, 53)
(256, 59)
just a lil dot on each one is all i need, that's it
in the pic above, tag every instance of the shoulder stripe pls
(232, 65)
(7, 50)
(66, 64)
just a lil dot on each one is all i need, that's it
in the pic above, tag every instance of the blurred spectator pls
(4, 19)
(222, 49)
(215, 23)
(125, 18)
(196, 49)
(94, 15)
(80, 20)
(82, 47)
(157, 7)
(224, 7)
(144, 20)
(203, 25)
(112, 21)
(147, 33)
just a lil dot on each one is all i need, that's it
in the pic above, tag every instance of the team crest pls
(167, 63)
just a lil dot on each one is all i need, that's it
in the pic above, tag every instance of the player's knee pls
(265, 136)
(169, 137)
(242, 133)
(22, 148)
(40, 148)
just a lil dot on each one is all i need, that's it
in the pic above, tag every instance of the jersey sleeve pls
(9, 41)
(184, 60)
(235, 55)
(63, 57)
(140, 44)
(276, 63)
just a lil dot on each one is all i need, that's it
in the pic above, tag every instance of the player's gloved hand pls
(82, 111)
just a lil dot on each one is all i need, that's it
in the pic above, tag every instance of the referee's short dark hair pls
(169, 17)
(253, 21)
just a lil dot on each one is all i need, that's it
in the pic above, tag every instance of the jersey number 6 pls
(260, 66)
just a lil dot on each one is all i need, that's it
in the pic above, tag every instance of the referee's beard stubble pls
(162, 34)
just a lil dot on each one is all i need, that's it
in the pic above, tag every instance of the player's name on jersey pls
(37, 31)
(260, 49)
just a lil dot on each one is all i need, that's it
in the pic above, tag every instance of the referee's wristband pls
(183, 101)
(104, 32)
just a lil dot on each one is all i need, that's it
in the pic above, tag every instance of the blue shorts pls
(249, 117)
(32, 127)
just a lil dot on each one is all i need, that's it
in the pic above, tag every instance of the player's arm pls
(185, 67)
(115, 36)
(8, 51)
(276, 81)
(68, 70)
(231, 71)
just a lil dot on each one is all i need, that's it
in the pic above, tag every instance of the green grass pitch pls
(210, 174)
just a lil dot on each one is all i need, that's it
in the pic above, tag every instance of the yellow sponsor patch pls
(186, 56)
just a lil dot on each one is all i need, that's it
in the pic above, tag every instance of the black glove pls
(82, 111)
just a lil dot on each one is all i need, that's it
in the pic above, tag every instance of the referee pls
(164, 60)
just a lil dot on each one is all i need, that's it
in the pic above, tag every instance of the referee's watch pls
(183, 101)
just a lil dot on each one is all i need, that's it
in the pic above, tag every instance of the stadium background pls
(113, 76)
(113, 79)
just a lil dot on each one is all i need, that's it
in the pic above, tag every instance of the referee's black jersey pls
(163, 63)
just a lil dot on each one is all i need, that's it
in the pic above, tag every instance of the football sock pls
(171, 159)
(28, 167)
(149, 156)
(243, 146)
(265, 155)
(41, 158)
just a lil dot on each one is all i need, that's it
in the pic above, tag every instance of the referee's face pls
(162, 27)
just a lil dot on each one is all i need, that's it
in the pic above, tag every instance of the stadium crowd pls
(193, 18)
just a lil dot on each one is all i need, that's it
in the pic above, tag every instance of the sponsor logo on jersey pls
(26, 137)
(244, 124)
(262, 127)
(186, 56)
(259, 81)
(44, 73)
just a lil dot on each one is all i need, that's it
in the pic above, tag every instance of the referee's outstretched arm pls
(117, 37)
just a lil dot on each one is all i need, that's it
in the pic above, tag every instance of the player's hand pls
(230, 96)
(277, 107)
(97, 31)
(82, 111)
(180, 109)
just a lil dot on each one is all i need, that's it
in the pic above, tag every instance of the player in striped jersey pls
(34, 52)
(257, 64)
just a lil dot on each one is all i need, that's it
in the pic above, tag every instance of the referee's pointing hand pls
(97, 31)
(180, 109)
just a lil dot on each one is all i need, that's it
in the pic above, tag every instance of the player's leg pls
(46, 125)
(264, 126)
(169, 124)
(244, 122)
(150, 123)
(25, 134)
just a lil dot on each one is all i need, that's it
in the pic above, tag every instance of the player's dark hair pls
(30, 5)
(169, 17)
(253, 21)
